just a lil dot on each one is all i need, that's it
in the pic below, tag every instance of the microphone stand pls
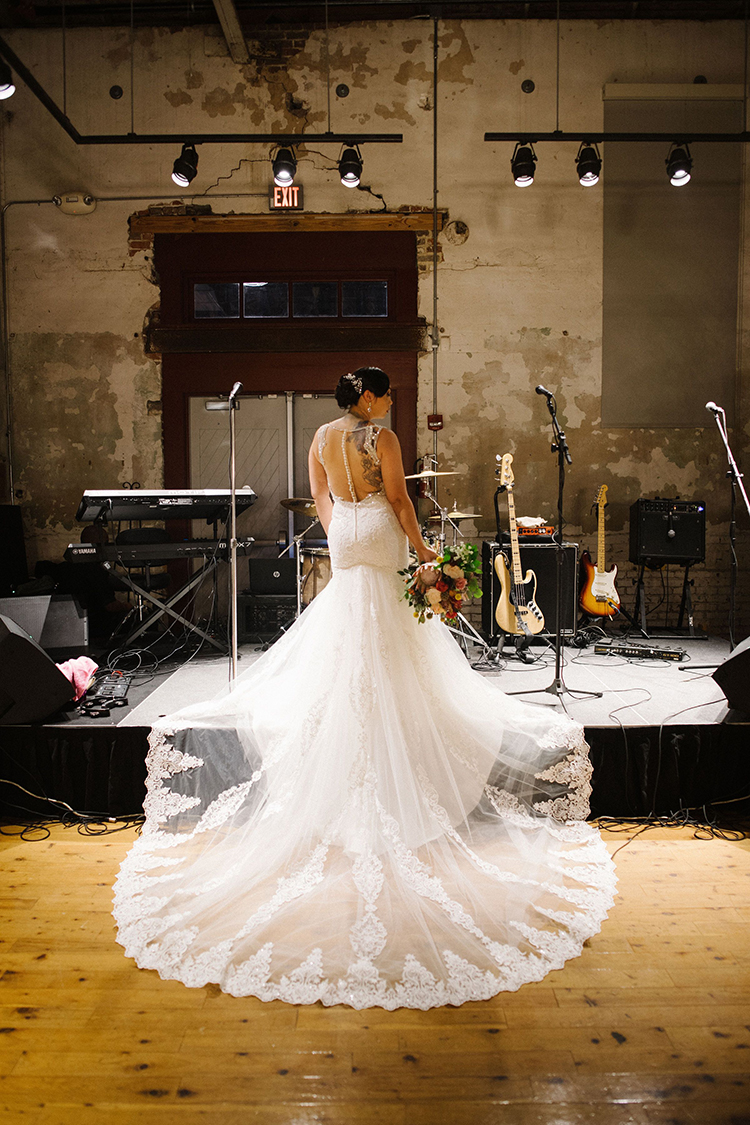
(233, 406)
(560, 447)
(735, 480)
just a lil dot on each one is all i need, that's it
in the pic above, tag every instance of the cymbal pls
(426, 474)
(435, 518)
(302, 505)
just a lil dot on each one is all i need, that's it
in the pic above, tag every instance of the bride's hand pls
(426, 556)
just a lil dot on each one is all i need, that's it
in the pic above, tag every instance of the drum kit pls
(313, 563)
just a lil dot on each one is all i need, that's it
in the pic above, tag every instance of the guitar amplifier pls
(542, 559)
(667, 531)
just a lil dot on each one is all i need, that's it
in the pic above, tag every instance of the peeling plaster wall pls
(519, 278)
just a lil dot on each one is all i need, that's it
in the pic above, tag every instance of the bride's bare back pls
(349, 455)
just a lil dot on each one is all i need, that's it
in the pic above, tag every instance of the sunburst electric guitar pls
(598, 596)
(516, 611)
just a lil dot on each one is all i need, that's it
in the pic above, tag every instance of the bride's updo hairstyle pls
(353, 385)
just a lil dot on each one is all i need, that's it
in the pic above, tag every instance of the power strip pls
(641, 651)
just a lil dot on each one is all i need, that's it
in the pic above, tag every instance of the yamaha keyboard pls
(107, 505)
(129, 553)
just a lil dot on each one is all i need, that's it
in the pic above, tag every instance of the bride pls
(363, 819)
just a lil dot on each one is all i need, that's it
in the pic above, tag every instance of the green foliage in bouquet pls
(440, 588)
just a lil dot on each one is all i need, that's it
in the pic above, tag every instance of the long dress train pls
(363, 819)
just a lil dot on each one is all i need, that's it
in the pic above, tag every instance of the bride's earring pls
(369, 408)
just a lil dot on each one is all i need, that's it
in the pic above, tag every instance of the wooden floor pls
(651, 1025)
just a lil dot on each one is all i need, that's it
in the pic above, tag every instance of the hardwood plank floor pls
(650, 1026)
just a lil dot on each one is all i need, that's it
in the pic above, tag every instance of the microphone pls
(540, 390)
(714, 408)
(235, 391)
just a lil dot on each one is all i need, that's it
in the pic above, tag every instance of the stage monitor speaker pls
(32, 687)
(733, 677)
(542, 559)
(667, 531)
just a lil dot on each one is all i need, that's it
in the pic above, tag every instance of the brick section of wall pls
(272, 48)
(141, 242)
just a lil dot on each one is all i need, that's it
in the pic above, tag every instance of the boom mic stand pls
(735, 480)
(560, 447)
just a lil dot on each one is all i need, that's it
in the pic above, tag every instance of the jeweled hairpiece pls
(355, 381)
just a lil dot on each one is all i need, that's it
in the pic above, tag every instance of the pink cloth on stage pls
(79, 671)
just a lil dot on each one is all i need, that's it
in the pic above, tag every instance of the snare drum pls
(316, 571)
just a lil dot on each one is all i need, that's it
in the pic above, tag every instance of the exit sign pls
(285, 198)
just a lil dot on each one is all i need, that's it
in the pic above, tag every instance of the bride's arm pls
(319, 487)
(392, 468)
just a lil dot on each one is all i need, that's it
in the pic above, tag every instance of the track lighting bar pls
(282, 139)
(601, 138)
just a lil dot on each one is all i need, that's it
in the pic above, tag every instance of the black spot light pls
(185, 166)
(523, 164)
(284, 167)
(679, 165)
(350, 167)
(588, 164)
(7, 88)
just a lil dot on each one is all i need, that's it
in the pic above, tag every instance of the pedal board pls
(110, 689)
(640, 652)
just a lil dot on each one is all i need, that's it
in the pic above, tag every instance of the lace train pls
(364, 820)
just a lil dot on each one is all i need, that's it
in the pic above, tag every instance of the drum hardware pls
(454, 515)
(463, 630)
(427, 474)
(302, 505)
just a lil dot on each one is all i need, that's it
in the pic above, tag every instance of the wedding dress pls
(364, 819)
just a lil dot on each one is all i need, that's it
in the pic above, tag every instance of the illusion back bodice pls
(364, 530)
(349, 455)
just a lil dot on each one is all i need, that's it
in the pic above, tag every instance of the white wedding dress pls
(364, 820)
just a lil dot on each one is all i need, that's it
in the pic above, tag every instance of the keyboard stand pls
(163, 607)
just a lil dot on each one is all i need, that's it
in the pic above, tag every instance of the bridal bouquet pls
(438, 589)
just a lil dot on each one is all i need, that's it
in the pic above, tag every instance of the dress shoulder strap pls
(371, 440)
(322, 440)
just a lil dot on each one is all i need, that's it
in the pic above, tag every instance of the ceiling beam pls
(233, 34)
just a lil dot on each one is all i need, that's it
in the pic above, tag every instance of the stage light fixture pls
(185, 166)
(284, 167)
(588, 164)
(350, 166)
(679, 164)
(6, 81)
(522, 164)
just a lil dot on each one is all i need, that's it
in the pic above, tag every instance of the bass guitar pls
(598, 596)
(516, 611)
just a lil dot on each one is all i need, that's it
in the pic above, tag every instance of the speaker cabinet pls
(32, 687)
(542, 559)
(733, 677)
(55, 622)
(667, 531)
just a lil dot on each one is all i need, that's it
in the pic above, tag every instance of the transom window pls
(296, 300)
